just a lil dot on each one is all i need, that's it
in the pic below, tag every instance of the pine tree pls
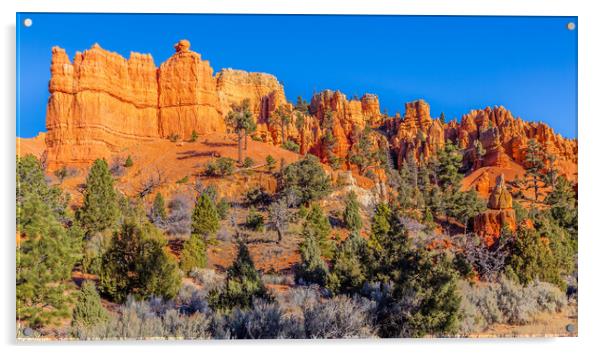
(348, 273)
(282, 117)
(243, 284)
(317, 224)
(312, 268)
(158, 215)
(137, 263)
(194, 253)
(240, 119)
(563, 205)
(351, 214)
(88, 309)
(205, 219)
(423, 298)
(47, 249)
(534, 166)
(46, 254)
(380, 226)
(100, 209)
(450, 162)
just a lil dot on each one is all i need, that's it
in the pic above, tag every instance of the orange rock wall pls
(102, 102)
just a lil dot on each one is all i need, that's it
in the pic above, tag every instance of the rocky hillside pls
(101, 103)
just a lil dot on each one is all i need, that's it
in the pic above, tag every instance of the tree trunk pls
(240, 146)
(282, 128)
(279, 235)
(246, 140)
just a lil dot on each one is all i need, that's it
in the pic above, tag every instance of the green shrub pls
(270, 163)
(128, 162)
(254, 221)
(305, 180)
(223, 207)
(291, 146)
(257, 196)
(173, 137)
(220, 167)
(194, 136)
(183, 180)
(137, 263)
(248, 162)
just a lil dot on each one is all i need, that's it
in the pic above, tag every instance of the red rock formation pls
(489, 224)
(103, 102)
(98, 103)
(188, 99)
(503, 137)
(345, 116)
(418, 136)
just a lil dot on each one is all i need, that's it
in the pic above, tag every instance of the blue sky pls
(527, 64)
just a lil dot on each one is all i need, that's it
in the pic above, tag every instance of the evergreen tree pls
(31, 181)
(534, 166)
(158, 215)
(450, 162)
(205, 219)
(317, 224)
(563, 205)
(312, 268)
(240, 119)
(194, 253)
(46, 254)
(100, 210)
(351, 214)
(348, 273)
(137, 263)
(88, 309)
(544, 252)
(243, 284)
(282, 117)
(305, 180)
(47, 249)
(380, 226)
(423, 298)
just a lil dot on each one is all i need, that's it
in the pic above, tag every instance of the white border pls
(589, 132)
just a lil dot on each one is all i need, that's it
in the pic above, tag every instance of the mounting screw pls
(570, 26)
(27, 22)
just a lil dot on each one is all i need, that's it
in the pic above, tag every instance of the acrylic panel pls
(206, 176)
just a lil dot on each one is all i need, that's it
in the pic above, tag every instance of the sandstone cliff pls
(103, 102)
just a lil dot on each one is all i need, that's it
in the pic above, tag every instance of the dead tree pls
(151, 183)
